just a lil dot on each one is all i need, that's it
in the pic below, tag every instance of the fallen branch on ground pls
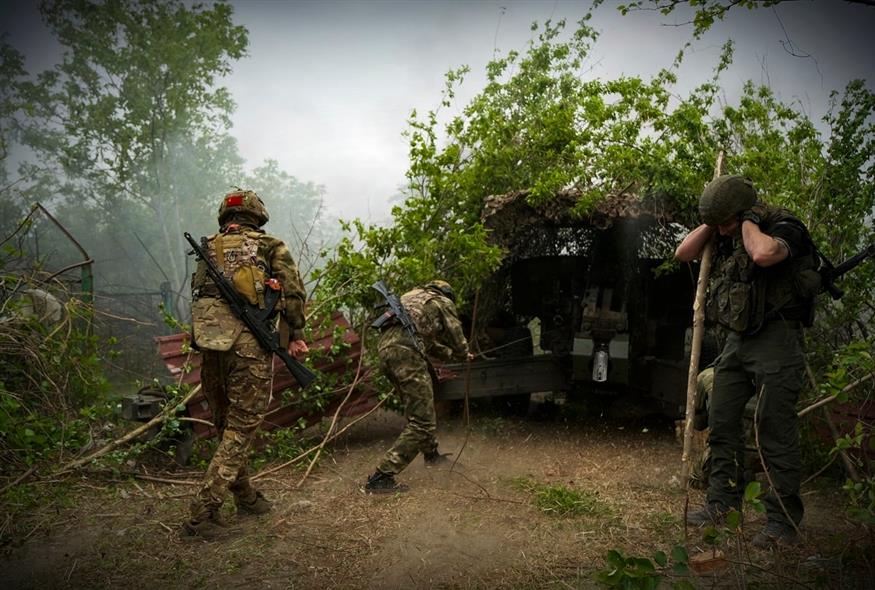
(18, 480)
(307, 452)
(160, 418)
(355, 381)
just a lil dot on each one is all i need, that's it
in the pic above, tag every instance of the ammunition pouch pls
(735, 299)
(249, 282)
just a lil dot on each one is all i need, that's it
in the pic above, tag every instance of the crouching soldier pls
(235, 369)
(404, 360)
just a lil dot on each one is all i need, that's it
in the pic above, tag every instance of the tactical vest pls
(236, 254)
(428, 326)
(742, 296)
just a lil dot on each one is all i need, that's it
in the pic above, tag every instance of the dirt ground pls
(478, 526)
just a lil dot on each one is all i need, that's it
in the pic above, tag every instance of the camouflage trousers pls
(410, 375)
(236, 384)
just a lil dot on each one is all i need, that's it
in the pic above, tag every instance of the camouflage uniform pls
(764, 309)
(440, 333)
(701, 460)
(235, 370)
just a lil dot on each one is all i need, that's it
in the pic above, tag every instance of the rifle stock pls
(253, 318)
(399, 312)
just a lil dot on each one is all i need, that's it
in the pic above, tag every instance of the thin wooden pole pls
(696, 344)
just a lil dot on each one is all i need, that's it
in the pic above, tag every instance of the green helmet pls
(243, 202)
(726, 196)
(443, 287)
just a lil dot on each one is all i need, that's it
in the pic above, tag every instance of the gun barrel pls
(854, 261)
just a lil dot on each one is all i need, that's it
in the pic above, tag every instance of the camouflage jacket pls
(437, 326)
(247, 257)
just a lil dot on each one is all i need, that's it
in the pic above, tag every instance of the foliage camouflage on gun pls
(256, 320)
(396, 310)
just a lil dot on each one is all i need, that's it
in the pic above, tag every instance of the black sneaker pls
(712, 513)
(775, 533)
(437, 459)
(384, 483)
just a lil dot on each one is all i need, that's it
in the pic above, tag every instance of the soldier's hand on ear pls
(754, 214)
(298, 347)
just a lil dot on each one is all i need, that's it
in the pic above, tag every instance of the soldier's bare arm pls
(762, 248)
(692, 245)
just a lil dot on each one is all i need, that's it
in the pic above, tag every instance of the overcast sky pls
(327, 86)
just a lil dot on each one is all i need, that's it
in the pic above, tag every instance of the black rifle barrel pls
(853, 261)
(251, 318)
(834, 273)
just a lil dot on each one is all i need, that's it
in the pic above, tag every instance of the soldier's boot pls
(775, 533)
(206, 524)
(437, 459)
(260, 505)
(713, 513)
(384, 483)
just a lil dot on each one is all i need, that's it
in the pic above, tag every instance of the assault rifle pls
(256, 320)
(395, 311)
(829, 273)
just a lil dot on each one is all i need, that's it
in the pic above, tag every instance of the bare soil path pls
(479, 526)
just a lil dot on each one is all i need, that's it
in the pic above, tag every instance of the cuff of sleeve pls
(296, 334)
(783, 242)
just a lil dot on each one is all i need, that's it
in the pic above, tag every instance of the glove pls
(750, 215)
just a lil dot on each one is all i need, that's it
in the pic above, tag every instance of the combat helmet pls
(443, 287)
(245, 202)
(726, 196)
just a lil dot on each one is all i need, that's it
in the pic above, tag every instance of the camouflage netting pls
(505, 215)
(624, 223)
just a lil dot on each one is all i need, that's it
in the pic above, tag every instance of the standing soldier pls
(405, 363)
(235, 369)
(762, 292)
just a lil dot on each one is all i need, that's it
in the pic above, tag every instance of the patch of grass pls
(663, 522)
(561, 501)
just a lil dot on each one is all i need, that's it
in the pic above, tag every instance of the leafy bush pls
(52, 385)
(641, 573)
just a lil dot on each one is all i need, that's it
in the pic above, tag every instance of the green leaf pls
(752, 491)
(660, 558)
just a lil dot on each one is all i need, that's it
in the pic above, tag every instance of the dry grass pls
(476, 527)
